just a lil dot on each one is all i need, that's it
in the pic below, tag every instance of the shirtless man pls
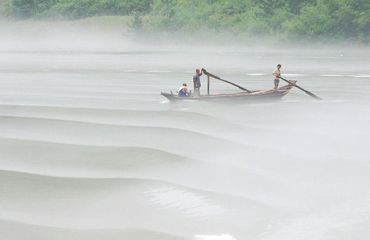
(276, 73)
(196, 81)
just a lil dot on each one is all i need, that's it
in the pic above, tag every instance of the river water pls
(89, 149)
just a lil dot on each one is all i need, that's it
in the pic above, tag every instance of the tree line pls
(340, 19)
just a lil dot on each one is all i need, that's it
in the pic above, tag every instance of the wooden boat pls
(245, 95)
(252, 95)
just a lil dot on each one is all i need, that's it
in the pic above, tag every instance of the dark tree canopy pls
(343, 19)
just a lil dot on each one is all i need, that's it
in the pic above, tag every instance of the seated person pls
(183, 91)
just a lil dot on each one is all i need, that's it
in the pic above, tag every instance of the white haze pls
(90, 150)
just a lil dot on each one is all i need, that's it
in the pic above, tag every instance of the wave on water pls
(361, 76)
(16, 230)
(332, 75)
(54, 204)
(95, 114)
(107, 162)
(344, 75)
(295, 75)
(75, 132)
(55, 159)
(214, 237)
(159, 71)
(256, 74)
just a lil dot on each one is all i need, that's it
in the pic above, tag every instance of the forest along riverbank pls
(282, 21)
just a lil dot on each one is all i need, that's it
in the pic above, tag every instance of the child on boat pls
(183, 91)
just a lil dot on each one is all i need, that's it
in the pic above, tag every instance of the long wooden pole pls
(223, 80)
(208, 82)
(304, 90)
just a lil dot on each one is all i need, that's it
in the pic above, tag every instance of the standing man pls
(196, 81)
(276, 73)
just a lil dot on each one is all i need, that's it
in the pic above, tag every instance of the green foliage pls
(334, 18)
(77, 8)
(136, 23)
(22, 8)
(340, 19)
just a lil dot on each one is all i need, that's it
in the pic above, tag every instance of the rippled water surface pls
(90, 150)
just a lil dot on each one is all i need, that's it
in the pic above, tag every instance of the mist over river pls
(89, 149)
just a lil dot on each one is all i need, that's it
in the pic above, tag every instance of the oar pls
(223, 80)
(304, 90)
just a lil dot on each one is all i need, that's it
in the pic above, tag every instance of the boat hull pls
(240, 96)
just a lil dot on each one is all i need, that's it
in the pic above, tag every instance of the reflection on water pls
(90, 150)
(187, 202)
(214, 237)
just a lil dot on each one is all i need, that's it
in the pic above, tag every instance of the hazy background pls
(89, 149)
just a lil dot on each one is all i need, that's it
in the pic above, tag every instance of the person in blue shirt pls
(183, 91)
